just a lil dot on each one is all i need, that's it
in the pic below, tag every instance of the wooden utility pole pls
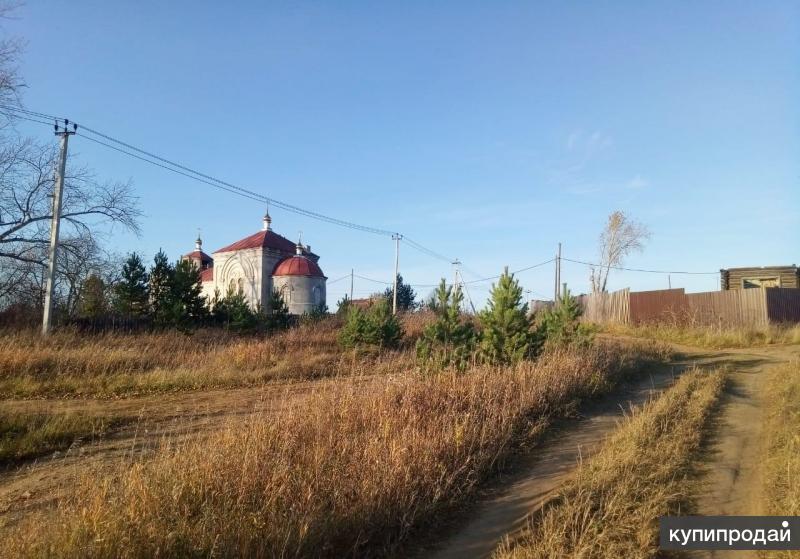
(55, 224)
(396, 237)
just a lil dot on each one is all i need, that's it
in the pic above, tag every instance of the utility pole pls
(64, 133)
(352, 271)
(557, 282)
(396, 237)
(559, 267)
(456, 263)
(669, 281)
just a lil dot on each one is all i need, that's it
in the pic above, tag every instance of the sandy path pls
(733, 475)
(154, 418)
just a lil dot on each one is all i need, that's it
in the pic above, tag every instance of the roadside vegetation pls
(781, 478)
(713, 337)
(71, 364)
(643, 471)
(356, 470)
(24, 436)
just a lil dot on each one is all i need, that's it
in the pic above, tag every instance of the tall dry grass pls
(643, 471)
(352, 472)
(715, 337)
(69, 363)
(781, 454)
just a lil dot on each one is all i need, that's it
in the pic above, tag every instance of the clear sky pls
(487, 131)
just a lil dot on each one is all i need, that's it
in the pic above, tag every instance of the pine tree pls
(131, 297)
(92, 303)
(233, 312)
(562, 324)
(377, 327)
(278, 317)
(507, 335)
(161, 277)
(450, 341)
(405, 295)
(187, 306)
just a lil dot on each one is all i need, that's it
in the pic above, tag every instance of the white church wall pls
(302, 294)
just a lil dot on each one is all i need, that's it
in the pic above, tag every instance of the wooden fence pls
(746, 307)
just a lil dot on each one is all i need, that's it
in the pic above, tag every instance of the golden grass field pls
(781, 479)
(712, 337)
(357, 468)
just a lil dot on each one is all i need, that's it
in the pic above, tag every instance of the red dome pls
(298, 266)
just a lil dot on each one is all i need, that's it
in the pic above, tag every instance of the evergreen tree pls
(131, 292)
(233, 312)
(562, 324)
(161, 277)
(187, 306)
(450, 341)
(377, 326)
(92, 303)
(278, 317)
(405, 295)
(507, 335)
(343, 306)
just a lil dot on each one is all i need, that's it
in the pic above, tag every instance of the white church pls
(260, 263)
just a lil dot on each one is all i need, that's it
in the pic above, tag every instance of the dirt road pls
(151, 420)
(732, 465)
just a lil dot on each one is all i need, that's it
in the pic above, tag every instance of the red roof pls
(262, 239)
(298, 266)
(207, 274)
(198, 254)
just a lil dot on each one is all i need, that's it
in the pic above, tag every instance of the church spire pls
(267, 222)
(198, 243)
(299, 246)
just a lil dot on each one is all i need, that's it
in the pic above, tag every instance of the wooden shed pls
(765, 276)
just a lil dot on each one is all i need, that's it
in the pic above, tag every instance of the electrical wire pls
(637, 269)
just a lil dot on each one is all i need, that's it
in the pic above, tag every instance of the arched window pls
(286, 293)
(316, 295)
(241, 285)
(232, 285)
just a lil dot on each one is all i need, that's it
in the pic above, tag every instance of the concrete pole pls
(396, 238)
(54, 229)
(352, 271)
(558, 282)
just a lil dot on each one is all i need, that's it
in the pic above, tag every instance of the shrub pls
(508, 334)
(562, 324)
(450, 341)
(233, 312)
(377, 327)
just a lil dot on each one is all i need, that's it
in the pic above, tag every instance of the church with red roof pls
(260, 264)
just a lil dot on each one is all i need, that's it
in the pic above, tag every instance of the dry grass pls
(642, 472)
(715, 337)
(352, 473)
(781, 466)
(70, 364)
(25, 436)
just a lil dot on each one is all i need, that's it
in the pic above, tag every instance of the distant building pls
(260, 263)
(768, 276)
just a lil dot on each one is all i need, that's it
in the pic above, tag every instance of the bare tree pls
(10, 49)
(620, 237)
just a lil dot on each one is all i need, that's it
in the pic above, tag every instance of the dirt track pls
(731, 470)
(732, 466)
(152, 419)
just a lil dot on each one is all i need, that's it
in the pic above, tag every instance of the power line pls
(188, 172)
(513, 272)
(638, 269)
(207, 179)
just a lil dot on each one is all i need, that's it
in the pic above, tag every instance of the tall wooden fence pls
(745, 307)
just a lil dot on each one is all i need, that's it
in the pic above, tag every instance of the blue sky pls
(487, 131)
